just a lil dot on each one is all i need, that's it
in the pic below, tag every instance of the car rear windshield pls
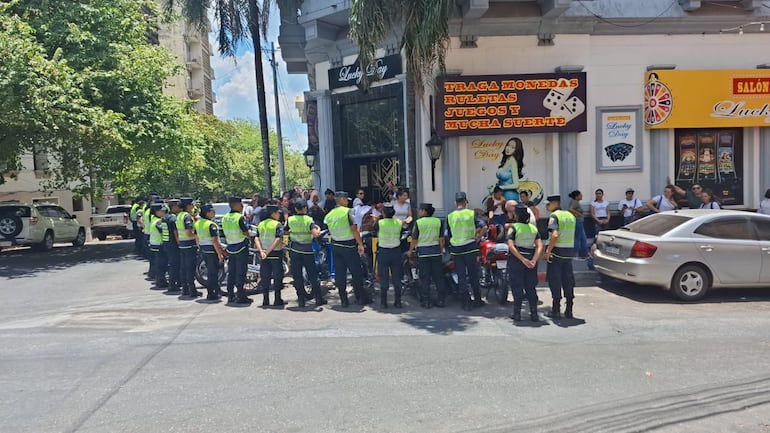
(656, 225)
(121, 209)
(221, 209)
(19, 211)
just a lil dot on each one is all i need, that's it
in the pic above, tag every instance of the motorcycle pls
(410, 278)
(324, 260)
(493, 261)
(451, 280)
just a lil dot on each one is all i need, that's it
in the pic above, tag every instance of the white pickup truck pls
(113, 223)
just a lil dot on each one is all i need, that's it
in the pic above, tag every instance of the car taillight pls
(643, 250)
(33, 220)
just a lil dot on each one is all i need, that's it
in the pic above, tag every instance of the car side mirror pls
(73, 216)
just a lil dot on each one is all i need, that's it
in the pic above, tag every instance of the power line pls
(650, 21)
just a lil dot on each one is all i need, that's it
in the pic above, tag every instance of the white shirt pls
(764, 206)
(402, 211)
(632, 205)
(600, 209)
(663, 203)
(357, 202)
(712, 205)
(360, 211)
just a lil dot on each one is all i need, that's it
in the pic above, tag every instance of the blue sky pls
(236, 90)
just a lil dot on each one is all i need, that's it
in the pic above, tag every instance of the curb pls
(582, 278)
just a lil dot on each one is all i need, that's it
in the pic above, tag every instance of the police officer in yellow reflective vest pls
(428, 241)
(155, 241)
(560, 251)
(237, 236)
(302, 230)
(133, 215)
(188, 248)
(172, 246)
(143, 216)
(464, 229)
(525, 247)
(159, 229)
(388, 231)
(269, 243)
(213, 255)
(347, 248)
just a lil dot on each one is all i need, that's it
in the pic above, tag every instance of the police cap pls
(156, 207)
(341, 194)
(233, 199)
(271, 209)
(426, 206)
(522, 213)
(206, 208)
(461, 196)
(173, 202)
(186, 201)
(551, 198)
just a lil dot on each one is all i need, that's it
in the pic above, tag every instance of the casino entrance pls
(369, 140)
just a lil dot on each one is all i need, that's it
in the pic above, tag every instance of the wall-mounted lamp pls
(310, 155)
(661, 66)
(569, 69)
(434, 145)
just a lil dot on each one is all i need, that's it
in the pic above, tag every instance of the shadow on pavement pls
(21, 263)
(442, 325)
(657, 295)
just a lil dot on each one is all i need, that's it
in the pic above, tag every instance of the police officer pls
(388, 231)
(143, 216)
(302, 230)
(560, 251)
(525, 247)
(185, 236)
(133, 215)
(160, 229)
(464, 229)
(213, 255)
(172, 246)
(347, 248)
(237, 235)
(269, 242)
(155, 241)
(428, 241)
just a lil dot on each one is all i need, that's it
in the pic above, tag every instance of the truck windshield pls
(119, 209)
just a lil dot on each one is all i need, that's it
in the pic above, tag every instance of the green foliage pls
(424, 28)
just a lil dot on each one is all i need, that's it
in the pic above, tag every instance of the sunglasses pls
(359, 193)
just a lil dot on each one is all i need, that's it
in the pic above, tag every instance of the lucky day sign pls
(504, 104)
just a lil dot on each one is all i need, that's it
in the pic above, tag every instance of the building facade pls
(551, 96)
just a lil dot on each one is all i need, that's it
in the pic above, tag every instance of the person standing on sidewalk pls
(185, 230)
(630, 207)
(525, 247)
(388, 232)
(464, 229)
(172, 246)
(268, 242)
(559, 254)
(347, 248)
(600, 212)
(237, 236)
(133, 216)
(156, 241)
(581, 242)
(428, 241)
(302, 230)
(213, 256)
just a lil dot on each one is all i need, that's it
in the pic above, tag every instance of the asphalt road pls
(86, 346)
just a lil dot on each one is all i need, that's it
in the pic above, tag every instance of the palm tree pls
(237, 20)
(424, 37)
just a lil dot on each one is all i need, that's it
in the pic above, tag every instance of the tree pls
(238, 20)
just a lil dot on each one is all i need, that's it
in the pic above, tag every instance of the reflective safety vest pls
(389, 233)
(462, 224)
(266, 231)
(156, 237)
(567, 224)
(430, 231)
(165, 233)
(146, 216)
(133, 211)
(232, 228)
(183, 236)
(526, 234)
(339, 224)
(203, 228)
(299, 229)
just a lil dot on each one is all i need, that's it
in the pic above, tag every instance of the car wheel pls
(80, 240)
(690, 283)
(101, 236)
(47, 244)
(10, 226)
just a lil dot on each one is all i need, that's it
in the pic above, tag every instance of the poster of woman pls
(511, 167)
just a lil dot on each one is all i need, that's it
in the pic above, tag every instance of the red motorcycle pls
(493, 261)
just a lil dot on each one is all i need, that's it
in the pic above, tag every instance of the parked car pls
(689, 251)
(115, 222)
(38, 225)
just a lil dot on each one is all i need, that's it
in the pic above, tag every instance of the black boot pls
(383, 298)
(477, 301)
(301, 298)
(467, 303)
(344, 297)
(533, 314)
(555, 310)
(266, 298)
(194, 292)
(278, 301)
(319, 297)
(516, 316)
(230, 294)
(397, 303)
(568, 309)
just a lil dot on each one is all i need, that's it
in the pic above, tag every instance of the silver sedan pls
(689, 251)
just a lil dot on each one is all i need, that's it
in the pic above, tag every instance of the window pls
(763, 228)
(657, 224)
(40, 160)
(371, 127)
(62, 213)
(19, 211)
(728, 228)
(77, 204)
(47, 211)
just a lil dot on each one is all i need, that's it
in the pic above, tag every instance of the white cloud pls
(236, 92)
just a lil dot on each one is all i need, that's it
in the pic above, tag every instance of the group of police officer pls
(174, 230)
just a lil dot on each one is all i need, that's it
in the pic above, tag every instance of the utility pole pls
(281, 168)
